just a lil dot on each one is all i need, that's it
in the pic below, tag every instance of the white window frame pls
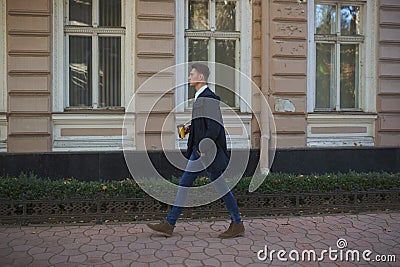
(3, 77)
(245, 44)
(60, 55)
(368, 65)
(3, 57)
(367, 92)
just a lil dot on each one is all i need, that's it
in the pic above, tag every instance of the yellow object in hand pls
(181, 131)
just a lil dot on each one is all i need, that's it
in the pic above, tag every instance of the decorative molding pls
(362, 138)
(215, 34)
(3, 133)
(3, 77)
(74, 29)
(155, 36)
(95, 142)
(3, 57)
(58, 57)
(129, 55)
(30, 13)
(339, 38)
(29, 33)
(155, 17)
(370, 84)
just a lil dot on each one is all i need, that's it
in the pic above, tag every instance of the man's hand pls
(201, 154)
(187, 129)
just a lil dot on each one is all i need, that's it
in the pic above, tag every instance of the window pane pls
(350, 20)
(110, 13)
(348, 75)
(80, 12)
(325, 19)
(198, 51)
(225, 53)
(198, 15)
(325, 76)
(110, 72)
(226, 15)
(80, 71)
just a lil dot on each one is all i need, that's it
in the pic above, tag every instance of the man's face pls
(195, 77)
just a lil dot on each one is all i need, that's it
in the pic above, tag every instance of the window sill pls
(347, 112)
(119, 110)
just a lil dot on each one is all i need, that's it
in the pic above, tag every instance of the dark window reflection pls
(350, 20)
(198, 51)
(80, 71)
(110, 13)
(348, 75)
(325, 69)
(325, 19)
(80, 12)
(226, 15)
(110, 71)
(198, 15)
(225, 53)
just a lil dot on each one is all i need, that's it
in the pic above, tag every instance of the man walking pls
(207, 144)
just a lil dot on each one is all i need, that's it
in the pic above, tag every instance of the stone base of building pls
(112, 166)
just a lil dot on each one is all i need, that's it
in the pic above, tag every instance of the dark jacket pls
(207, 123)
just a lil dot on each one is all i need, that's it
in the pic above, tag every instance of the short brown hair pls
(203, 69)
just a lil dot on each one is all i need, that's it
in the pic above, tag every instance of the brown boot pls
(234, 230)
(163, 227)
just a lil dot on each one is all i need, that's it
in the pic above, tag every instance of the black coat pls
(207, 123)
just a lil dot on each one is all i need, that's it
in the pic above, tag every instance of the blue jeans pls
(187, 180)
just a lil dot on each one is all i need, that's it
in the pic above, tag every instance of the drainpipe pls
(265, 65)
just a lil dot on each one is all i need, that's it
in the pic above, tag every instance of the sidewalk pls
(195, 243)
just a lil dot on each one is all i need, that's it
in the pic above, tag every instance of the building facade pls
(330, 71)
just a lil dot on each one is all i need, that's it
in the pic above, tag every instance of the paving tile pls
(87, 248)
(195, 249)
(55, 249)
(193, 263)
(40, 256)
(17, 242)
(56, 259)
(109, 257)
(161, 254)
(174, 260)
(129, 238)
(5, 261)
(225, 258)
(78, 258)
(243, 261)
(122, 263)
(5, 251)
(71, 252)
(120, 243)
(105, 247)
(148, 258)
(132, 256)
(212, 251)
(138, 264)
(94, 261)
(95, 254)
(211, 262)
(181, 253)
